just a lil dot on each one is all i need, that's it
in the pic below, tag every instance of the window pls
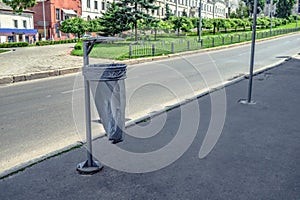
(16, 23)
(88, 3)
(162, 11)
(24, 24)
(157, 12)
(152, 11)
(96, 5)
(102, 5)
(107, 5)
(57, 13)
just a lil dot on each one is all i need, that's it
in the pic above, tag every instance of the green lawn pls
(163, 44)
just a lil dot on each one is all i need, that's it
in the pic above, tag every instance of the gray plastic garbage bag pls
(110, 100)
(108, 89)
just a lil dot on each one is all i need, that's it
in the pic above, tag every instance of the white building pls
(16, 27)
(92, 9)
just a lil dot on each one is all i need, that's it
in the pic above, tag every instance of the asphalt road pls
(38, 117)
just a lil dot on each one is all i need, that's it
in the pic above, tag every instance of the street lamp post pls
(248, 100)
(252, 52)
(44, 19)
(270, 14)
(200, 21)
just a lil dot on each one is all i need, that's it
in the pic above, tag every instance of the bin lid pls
(102, 39)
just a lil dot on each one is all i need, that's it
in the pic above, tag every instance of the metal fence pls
(146, 48)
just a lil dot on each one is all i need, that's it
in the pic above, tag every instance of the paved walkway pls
(39, 59)
(256, 157)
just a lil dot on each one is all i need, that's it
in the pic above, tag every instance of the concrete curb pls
(58, 72)
(37, 75)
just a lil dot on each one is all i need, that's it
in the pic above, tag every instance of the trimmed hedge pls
(13, 44)
(48, 42)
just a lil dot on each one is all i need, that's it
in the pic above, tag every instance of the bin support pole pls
(89, 166)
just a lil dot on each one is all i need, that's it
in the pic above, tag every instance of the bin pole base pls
(83, 167)
(244, 101)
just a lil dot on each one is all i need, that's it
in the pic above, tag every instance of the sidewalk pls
(28, 63)
(256, 157)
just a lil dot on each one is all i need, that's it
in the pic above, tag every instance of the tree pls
(165, 25)
(260, 5)
(112, 21)
(242, 11)
(93, 25)
(168, 12)
(155, 25)
(284, 8)
(19, 5)
(74, 25)
(133, 10)
(181, 23)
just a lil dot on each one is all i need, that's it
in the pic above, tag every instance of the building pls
(209, 9)
(54, 12)
(92, 9)
(16, 27)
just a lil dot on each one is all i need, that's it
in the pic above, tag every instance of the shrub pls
(78, 46)
(14, 44)
(48, 42)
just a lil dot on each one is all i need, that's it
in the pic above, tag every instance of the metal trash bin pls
(108, 89)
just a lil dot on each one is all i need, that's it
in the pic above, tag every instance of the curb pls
(37, 75)
(58, 72)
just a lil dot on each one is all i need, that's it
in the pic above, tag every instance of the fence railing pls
(145, 48)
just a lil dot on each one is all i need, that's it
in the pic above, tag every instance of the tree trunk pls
(155, 33)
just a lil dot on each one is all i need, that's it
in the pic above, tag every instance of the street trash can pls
(108, 89)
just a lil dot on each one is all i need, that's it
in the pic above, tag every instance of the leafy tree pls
(217, 24)
(75, 25)
(165, 25)
(155, 25)
(168, 12)
(227, 25)
(284, 8)
(181, 23)
(233, 24)
(93, 25)
(19, 5)
(207, 23)
(242, 11)
(133, 10)
(260, 4)
(112, 22)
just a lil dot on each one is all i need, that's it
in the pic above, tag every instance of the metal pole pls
(44, 19)
(200, 21)
(252, 52)
(87, 109)
(89, 166)
(271, 13)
